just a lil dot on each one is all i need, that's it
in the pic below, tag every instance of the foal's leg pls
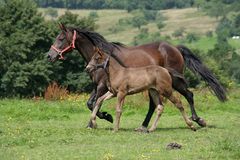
(92, 123)
(181, 87)
(156, 98)
(179, 105)
(120, 101)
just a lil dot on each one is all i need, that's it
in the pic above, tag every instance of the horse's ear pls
(62, 27)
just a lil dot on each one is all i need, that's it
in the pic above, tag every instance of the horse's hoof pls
(141, 129)
(201, 122)
(107, 117)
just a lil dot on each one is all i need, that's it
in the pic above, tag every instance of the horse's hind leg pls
(179, 105)
(156, 99)
(181, 87)
(152, 106)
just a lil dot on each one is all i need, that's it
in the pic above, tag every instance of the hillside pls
(190, 18)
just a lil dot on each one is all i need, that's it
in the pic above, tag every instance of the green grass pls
(56, 130)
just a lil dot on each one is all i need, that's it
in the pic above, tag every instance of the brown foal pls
(126, 81)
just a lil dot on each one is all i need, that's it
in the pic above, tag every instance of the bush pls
(150, 15)
(93, 15)
(191, 37)
(160, 25)
(55, 92)
(179, 32)
(209, 34)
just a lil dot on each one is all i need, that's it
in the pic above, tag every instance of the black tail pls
(196, 66)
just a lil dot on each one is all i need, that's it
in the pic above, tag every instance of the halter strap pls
(70, 47)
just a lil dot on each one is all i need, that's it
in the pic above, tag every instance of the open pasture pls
(39, 129)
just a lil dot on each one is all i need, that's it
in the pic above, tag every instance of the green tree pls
(24, 38)
(72, 19)
(138, 21)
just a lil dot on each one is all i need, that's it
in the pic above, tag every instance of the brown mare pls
(157, 53)
(124, 81)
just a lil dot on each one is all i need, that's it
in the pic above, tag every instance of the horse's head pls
(99, 60)
(65, 42)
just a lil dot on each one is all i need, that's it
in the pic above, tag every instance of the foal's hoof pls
(141, 129)
(201, 122)
(107, 117)
(91, 125)
(193, 128)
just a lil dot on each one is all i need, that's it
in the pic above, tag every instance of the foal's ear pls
(97, 50)
(62, 27)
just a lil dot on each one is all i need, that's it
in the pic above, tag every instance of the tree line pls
(115, 4)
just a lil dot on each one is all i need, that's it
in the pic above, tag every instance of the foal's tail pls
(196, 66)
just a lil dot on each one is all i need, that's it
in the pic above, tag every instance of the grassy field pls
(38, 129)
(176, 18)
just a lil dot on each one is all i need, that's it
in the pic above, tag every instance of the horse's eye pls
(61, 37)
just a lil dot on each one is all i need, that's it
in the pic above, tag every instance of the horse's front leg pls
(98, 91)
(101, 90)
(92, 123)
(91, 100)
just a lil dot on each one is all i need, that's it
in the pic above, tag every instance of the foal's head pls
(99, 60)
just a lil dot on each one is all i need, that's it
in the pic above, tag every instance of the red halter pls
(68, 48)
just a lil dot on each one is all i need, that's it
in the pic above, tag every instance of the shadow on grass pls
(161, 129)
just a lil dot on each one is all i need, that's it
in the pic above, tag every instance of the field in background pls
(38, 129)
(193, 20)
(190, 18)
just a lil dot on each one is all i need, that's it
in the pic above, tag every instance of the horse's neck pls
(85, 48)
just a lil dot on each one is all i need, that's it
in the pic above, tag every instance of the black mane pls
(98, 40)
